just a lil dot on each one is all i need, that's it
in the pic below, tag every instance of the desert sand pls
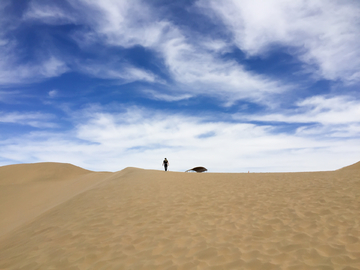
(59, 216)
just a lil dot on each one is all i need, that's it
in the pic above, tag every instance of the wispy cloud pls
(34, 119)
(53, 93)
(195, 66)
(239, 123)
(117, 71)
(9, 97)
(320, 109)
(331, 110)
(13, 68)
(106, 140)
(157, 95)
(204, 73)
(320, 33)
(13, 73)
(319, 115)
(120, 23)
(50, 13)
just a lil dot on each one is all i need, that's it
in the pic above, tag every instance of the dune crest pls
(44, 171)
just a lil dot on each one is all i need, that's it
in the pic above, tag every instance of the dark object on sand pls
(198, 169)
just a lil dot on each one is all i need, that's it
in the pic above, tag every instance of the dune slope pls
(28, 190)
(145, 219)
(353, 167)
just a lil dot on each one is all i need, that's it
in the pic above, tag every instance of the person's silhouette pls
(165, 164)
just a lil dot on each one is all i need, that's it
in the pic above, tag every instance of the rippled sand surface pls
(147, 219)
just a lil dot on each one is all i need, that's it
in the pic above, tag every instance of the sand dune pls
(47, 171)
(28, 190)
(147, 219)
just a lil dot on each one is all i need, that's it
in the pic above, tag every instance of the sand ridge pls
(35, 172)
(28, 190)
(147, 219)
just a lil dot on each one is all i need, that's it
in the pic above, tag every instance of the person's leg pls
(165, 167)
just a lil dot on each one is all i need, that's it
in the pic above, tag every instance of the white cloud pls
(34, 119)
(50, 67)
(110, 23)
(53, 93)
(9, 97)
(48, 12)
(13, 70)
(332, 110)
(203, 73)
(138, 137)
(324, 33)
(194, 65)
(320, 109)
(13, 73)
(170, 97)
(120, 23)
(117, 71)
(337, 116)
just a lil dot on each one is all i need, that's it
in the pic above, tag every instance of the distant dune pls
(47, 171)
(352, 167)
(59, 216)
(28, 190)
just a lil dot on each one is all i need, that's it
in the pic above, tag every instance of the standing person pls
(165, 164)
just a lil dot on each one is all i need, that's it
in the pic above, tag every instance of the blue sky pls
(235, 86)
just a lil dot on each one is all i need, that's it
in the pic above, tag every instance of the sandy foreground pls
(59, 216)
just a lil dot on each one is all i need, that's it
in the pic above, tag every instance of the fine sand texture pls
(58, 216)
